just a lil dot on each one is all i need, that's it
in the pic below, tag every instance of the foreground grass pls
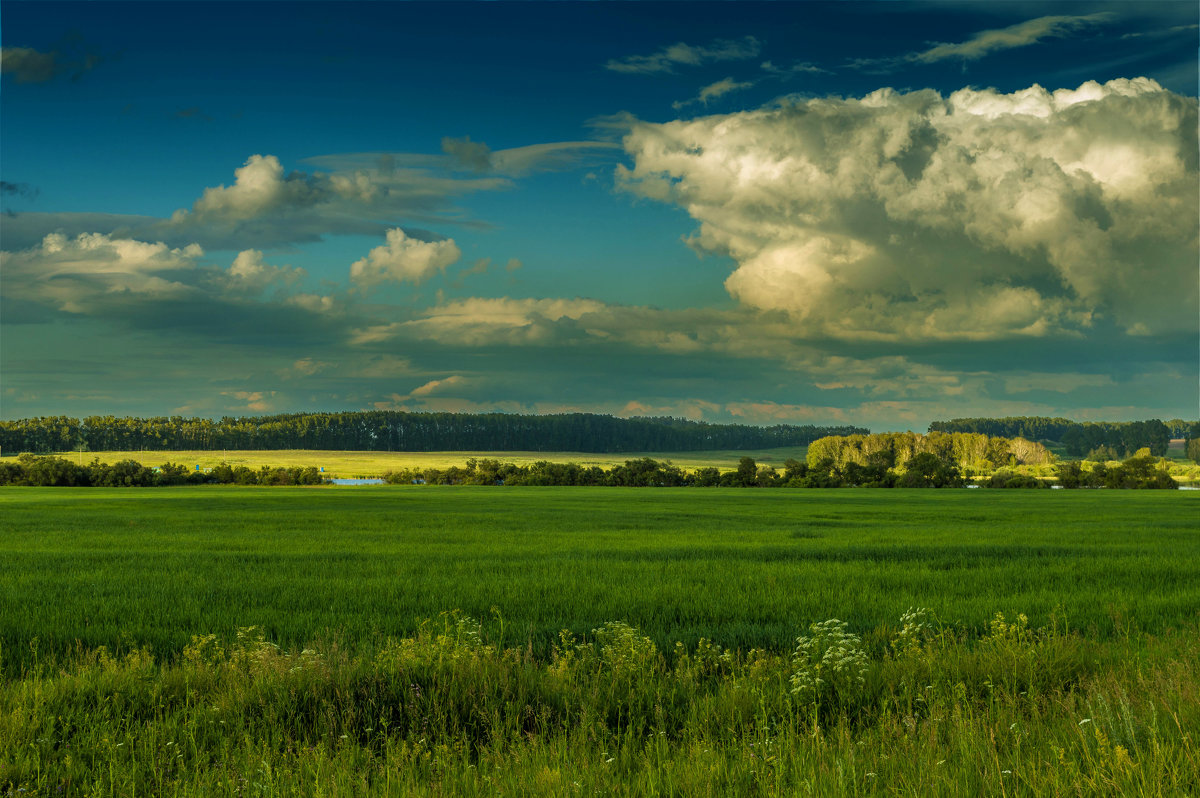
(446, 711)
(374, 464)
(132, 568)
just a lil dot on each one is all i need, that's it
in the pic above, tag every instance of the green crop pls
(561, 641)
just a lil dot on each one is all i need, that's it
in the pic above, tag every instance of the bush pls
(1011, 479)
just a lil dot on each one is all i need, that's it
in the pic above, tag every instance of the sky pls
(879, 214)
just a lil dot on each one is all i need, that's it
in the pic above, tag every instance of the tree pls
(747, 472)
(927, 470)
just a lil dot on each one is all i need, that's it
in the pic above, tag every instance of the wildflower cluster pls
(625, 649)
(829, 664)
(917, 626)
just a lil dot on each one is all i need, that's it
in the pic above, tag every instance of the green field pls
(373, 464)
(129, 668)
(748, 568)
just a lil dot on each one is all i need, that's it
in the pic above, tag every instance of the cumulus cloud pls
(259, 186)
(363, 193)
(403, 259)
(681, 54)
(265, 206)
(73, 274)
(249, 273)
(153, 285)
(981, 215)
(27, 228)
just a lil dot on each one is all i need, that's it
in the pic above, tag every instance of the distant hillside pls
(399, 431)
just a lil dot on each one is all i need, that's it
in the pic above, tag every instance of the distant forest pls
(401, 432)
(1117, 438)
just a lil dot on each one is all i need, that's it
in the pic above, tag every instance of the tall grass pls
(450, 710)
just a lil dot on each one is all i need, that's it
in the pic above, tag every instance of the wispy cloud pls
(28, 65)
(714, 91)
(1020, 35)
(986, 42)
(798, 68)
(681, 54)
(476, 156)
(1171, 31)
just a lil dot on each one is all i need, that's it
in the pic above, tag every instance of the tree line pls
(923, 470)
(399, 431)
(1107, 440)
(31, 470)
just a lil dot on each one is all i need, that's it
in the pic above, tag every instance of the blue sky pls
(871, 213)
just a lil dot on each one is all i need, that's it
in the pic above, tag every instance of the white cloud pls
(980, 215)
(260, 186)
(94, 274)
(266, 207)
(681, 54)
(404, 259)
(250, 274)
(364, 193)
(73, 274)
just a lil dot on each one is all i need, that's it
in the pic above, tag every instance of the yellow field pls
(371, 464)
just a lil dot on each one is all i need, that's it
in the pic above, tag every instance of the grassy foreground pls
(446, 712)
(289, 641)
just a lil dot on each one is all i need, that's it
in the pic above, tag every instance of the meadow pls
(284, 641)
(747, 568)
(373, 464)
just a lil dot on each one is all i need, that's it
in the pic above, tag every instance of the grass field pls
(747, 568)
(373, 464)
(128, 667)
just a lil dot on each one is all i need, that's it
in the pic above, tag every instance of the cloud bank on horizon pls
(729, 229)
